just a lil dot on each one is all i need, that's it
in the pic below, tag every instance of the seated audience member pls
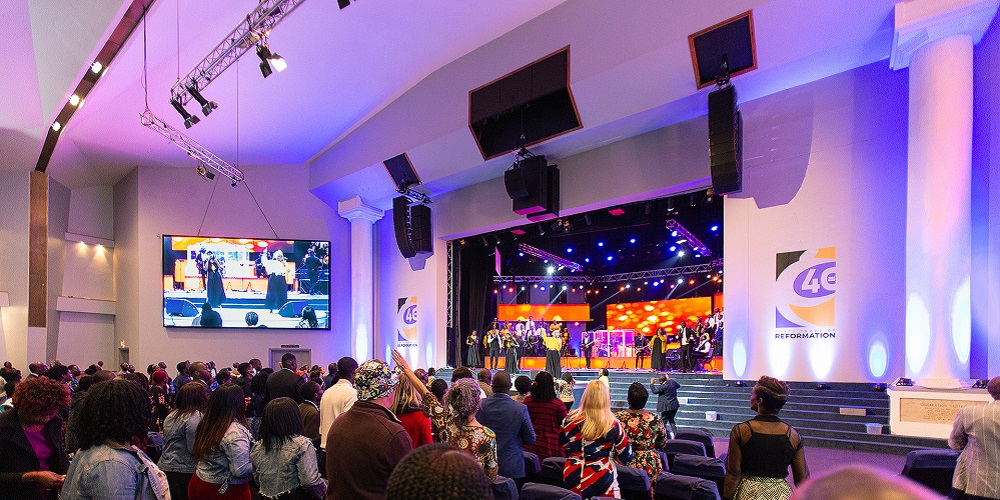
(32, 457)
(438, 471)
(523, 385)
(547, 414)
(594, 441)
(644, 430)
(455, 417)
(854, 482)
(107, 464)
(339, 398)
(311, 392)
(485, 379)
(284, 460)
(367, 441)
(209, 317)
(179, 428)
(409, 412)
(762, 448)
(976, 433)
(510, 421)
(222, 449)
(422, 375)
(225, 377)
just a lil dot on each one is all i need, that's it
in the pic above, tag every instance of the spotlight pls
(56, 126)
(632, 241)
(204, 172)
(680, 280)
(610, 258)
(680, 254)
(564, 287)
(709, 195)
(189, 119)
(520, 254)
(206, 105)
(234, 183)
(550, 270)
(600, 243)
(268, 59)
(569, 249)
(692, 201)
(96, 67)
(74, 100)
(714, 228)
(587, 260)
(670, 204)
(673, 248)
(673, 233)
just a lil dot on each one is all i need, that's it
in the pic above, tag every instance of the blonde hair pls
(406, 396)
(595, 405)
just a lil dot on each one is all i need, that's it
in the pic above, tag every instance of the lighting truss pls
(192, 148)
(611, 278)
(245, 36)
(555, 259)
(692, 241)
(515, 280)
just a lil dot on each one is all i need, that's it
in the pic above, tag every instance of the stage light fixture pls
(697, 255)
(550, 269)
(673, 248)
(670, 204)
(610, 258)
(587, 260)
(189, 119)
(542, 288)
(680, 254)
(709, 195)
(692, 201)
(564, 287)
(673, 233)
(206, 105)
(74, 100)
(269, 59)
(821, 386)
(632, 241)
(600, 243)
(569, 249)
(879, 387)
(205, 172)
(56, 126)
(680, 280)
(520, 254)
(96, 67)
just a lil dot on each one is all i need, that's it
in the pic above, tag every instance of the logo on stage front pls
(406, 322)
(806, 291)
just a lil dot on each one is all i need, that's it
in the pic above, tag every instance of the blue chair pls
(292, 308)
(633, 483)
(932, 468)
(180, 307)
(712, 469)
(703, 436)
(535, 491)
(681, 446)
(532, 467)
(504, 489)
(552, 471)
(676, 487)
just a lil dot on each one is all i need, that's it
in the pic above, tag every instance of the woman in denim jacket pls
(222, 449)
(178, 438)
(284, 461)
(108, 466)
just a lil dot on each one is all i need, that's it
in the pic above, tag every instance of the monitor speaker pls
(725, 140)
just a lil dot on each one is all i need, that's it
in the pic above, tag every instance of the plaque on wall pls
(932, 411)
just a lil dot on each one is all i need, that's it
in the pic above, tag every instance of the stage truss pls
(715, 265)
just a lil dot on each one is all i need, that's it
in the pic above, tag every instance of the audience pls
(976, 433)
(455, 417)
(595, 439)
(311, 392)
(485, 378)
(337, 399)
(258, 387)
(183, 375)
(284, 383)
(547, 413)
(284, 460)
(107, 464)
(247, 372)
(644, 430)
(510, 422)
(222, 449)
(761, 449)
(859, 483)
(32, 457)
(202, 374)
(438, 471)
(159, 394)
(179, 428)
(523, 385)
(367, 441)
(565, 389)
(411, 414)
(331, 376)
(438, 387)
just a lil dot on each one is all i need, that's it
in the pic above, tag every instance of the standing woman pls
(159, 395)
(594, 439)
(553, 345)
(644, 430)
(566, 385)
(472, 356)
(547, 413)
(32, 458)
(511, 345)
(178, 438)
(222, 449)
(284, 461)
(215, 290)
(407, 408)
(108, 465)
(656, 358)
(277, 289)
(762, 448)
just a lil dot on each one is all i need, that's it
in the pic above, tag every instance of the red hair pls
(38, 395)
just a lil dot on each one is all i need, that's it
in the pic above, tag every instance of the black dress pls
(656, 358)
(277, 292)
(216, 291)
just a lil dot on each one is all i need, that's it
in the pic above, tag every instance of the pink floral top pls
(646, 433)
(478, 440)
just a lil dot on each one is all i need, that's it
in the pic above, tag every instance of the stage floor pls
(575, 363)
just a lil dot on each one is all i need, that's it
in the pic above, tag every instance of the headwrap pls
(374, 379)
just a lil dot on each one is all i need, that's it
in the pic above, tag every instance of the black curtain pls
(476, 299)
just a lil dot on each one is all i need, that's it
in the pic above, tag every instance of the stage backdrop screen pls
(245, 283)
(646, 317)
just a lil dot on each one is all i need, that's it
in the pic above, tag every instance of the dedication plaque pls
(932, 411)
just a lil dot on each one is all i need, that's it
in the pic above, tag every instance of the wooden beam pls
(38, 249)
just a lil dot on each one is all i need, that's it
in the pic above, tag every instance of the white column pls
(363, 218)
(935, 39)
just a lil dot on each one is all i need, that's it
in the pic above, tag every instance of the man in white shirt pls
(976, 433)
(338, 398)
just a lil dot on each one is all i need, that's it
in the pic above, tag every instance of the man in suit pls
(311, 393)
(512, 425)
(284, 383)
(493, 343)
(585, 345)
(976, 433)
(687, 339)
(666, 400)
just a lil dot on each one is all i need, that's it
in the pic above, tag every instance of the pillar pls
(934, 40)
(363, 218)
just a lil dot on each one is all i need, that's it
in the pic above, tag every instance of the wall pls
(176, 201)
(59, 209)
(13, 266)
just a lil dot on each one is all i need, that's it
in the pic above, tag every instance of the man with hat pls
(366, 442)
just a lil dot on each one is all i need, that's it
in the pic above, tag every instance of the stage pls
(574, 363)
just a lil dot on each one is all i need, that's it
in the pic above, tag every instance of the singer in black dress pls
(277, 289)
(215, 290)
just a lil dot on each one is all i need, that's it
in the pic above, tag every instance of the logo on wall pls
(806, 291)
(406, 322)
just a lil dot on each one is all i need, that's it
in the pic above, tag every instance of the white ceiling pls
(384, 77)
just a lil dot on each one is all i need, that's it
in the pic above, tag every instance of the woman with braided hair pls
(762, 448)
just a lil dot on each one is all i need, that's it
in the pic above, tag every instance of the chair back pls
(702, 436)
(536, 491)
(552, 471)
(676, 487)
(504, 488)
(711, 469)
(532, 467)
(633, 483)
(932, 468)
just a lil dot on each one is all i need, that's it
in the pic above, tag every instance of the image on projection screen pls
(245, 283)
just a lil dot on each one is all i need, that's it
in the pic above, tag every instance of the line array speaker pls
(725, 140)
(412, 226)
(533, 186)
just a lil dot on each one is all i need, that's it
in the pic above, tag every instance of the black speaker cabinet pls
(400, 225)
(725, 140)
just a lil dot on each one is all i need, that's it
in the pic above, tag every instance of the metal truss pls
(555, 259)
(451, 285)
(245, 36)
(192, 148)
(611, 278)
(692, 241)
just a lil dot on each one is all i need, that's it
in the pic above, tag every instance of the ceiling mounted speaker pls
(730, 42)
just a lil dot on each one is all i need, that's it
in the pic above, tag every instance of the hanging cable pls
(254, 198)
(145, 69)
(207, 207)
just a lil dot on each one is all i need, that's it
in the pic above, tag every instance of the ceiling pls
(383, 77)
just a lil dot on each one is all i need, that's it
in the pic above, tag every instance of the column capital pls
(919, 22)
(356, 209)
